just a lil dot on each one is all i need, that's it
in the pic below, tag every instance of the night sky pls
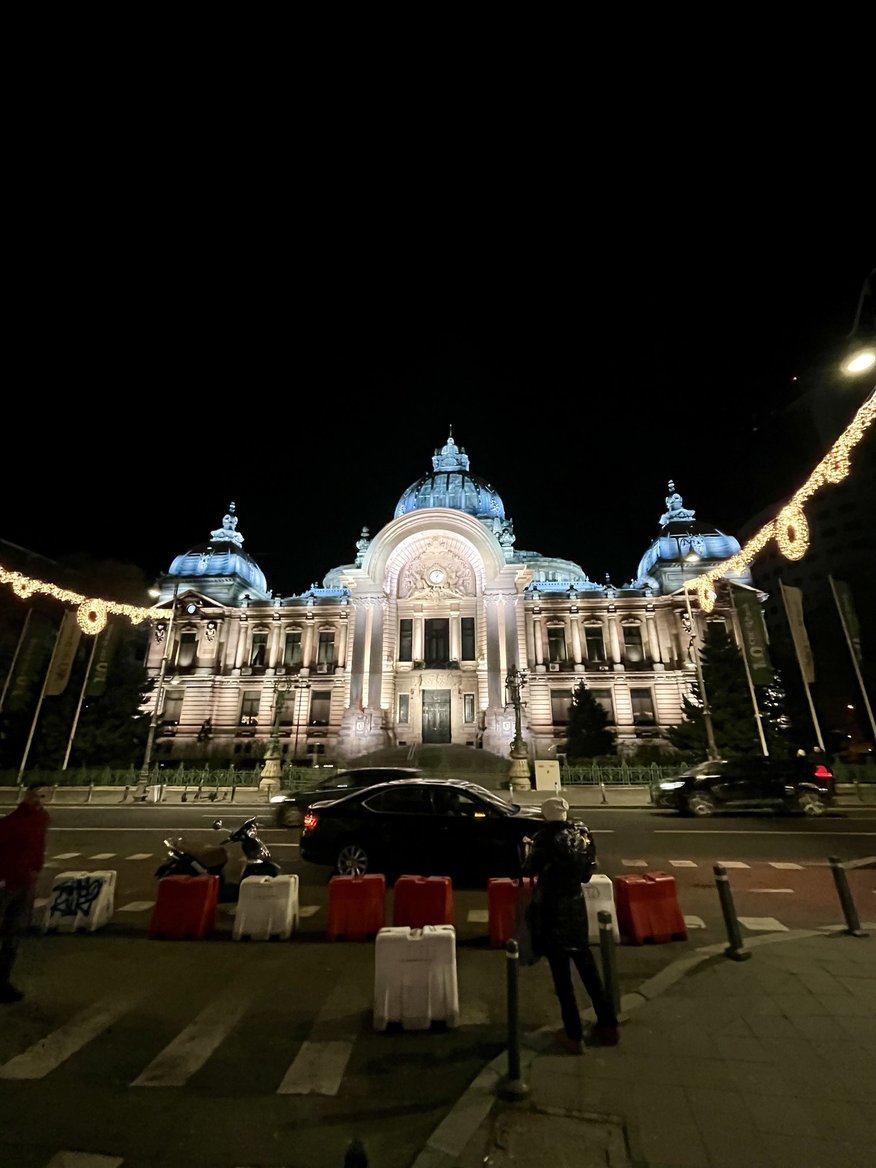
(312, 382)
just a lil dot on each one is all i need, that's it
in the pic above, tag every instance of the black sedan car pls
(420, 827)
(748, 784)
(289, 808)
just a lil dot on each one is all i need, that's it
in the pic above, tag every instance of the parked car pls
(749, 784)
(425, 827)
(290, 808)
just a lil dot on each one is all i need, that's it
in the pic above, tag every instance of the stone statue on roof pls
(227, 533)
(675, 510)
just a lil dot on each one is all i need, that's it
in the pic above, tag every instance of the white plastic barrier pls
(80, 900)
(415, 977)
(599, 894)
(267, 907)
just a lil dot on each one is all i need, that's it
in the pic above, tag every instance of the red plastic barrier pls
(502, 894)
(185, 908)
(356, 907)
(422, 900)
(648, 909)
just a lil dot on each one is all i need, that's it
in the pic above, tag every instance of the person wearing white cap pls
(562, 859)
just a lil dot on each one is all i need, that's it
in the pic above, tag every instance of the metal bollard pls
(90, 792)
(124, 798)
(609, 958)
(734, 950)
(233, 792)
(842, 886)
(512, 1086)
(355, 1155)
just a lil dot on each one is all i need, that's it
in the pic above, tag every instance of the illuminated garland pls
(790, 530)
(91, 612)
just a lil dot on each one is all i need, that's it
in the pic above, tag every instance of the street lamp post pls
(159, 690)
(270, 776)
(712, 749)
(301, 686)
(519, 772)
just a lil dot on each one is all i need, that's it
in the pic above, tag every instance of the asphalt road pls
(229, 1054)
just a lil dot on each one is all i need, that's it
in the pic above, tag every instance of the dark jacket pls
(23, 844)
(561, 861)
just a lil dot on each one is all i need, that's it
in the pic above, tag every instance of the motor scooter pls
(187, 858)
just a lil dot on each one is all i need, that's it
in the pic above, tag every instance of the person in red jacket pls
(22, 854)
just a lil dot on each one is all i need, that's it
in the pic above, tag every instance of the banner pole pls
(853, 655)
(818, 737)
(81, 699)
(21, 637)
(39, 705)
(758, 716)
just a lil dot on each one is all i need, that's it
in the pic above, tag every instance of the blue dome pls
(223, 556)
(451, 485)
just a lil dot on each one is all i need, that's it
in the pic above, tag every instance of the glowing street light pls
(861, 352)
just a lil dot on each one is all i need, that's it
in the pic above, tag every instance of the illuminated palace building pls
(412, 642)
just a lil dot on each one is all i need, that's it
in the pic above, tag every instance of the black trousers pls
(561, 962)
(16, 906)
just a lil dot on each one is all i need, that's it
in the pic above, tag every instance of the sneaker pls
(601, 1034)
(572, 1045)
(9, 993)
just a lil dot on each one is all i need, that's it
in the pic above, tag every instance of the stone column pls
(614, 643)
(654, 641)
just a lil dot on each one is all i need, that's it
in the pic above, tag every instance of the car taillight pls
(310, 821)
(821, 772)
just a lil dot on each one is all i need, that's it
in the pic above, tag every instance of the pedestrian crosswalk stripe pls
(788, 867)
(65, 856)
(318, 1069)
(191, 1048)
(140, 856)
(733, 864)
(308, 910)
(136, 906)
(770, 889)
(683, 863)
(694, 922)
(635, 863)
(478, 916)
(49, 1052)
(102, 856)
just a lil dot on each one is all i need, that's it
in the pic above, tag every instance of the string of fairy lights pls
(790, 530)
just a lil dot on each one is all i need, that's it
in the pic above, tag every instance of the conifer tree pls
(587, 734)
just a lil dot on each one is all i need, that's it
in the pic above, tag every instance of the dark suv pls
(749, 784)
(290, 809)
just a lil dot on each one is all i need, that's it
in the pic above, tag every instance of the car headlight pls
(671, 784)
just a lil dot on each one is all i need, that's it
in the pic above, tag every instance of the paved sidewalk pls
(766, 1063)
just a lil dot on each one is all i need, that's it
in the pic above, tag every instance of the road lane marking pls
(49, 1052)
(191, 1048)
(65, 856)
(694, 923)
(859, 863)
(635, 863)
(769, 890)
(478, 916)
(779, 864)
(140, 856)
(733, 864)
(102, 856)
(763, 924)
(136, 906)
(84, 1160)
(683, 863)
(308, 910)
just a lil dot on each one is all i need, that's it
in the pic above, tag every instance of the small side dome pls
(223, 556)
(452, 485)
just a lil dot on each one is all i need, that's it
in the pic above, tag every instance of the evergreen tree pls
(730, 706)
(587, 735)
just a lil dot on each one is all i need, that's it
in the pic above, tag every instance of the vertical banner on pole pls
(753, 636)
(103, 654)
(793, 601)
(842, 594)
(64, 655)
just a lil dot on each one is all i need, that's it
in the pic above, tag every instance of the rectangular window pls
(633, 649)
(249, 707)
(258, 656)
(595, 643)
(292, 650)
(404, 708)
(556, 643)
(603, 696)
(437, 643)
(325, 653)
(469, 649)
(405, 640)
(320, 707)
(561, 700)
(643, 707)
(172, 709)
(186, 650)
(468, 707)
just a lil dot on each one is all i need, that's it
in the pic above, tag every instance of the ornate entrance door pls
(436, 715)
